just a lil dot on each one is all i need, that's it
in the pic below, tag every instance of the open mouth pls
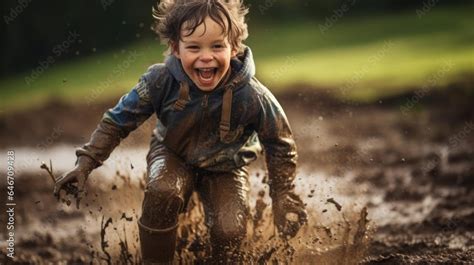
(206, 75)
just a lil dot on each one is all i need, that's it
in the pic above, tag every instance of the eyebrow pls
(195, 42)
(189, 42)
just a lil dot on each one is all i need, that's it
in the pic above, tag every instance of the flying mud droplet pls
(362, 226)
(338, 206)
(103, 242)
(129, 219)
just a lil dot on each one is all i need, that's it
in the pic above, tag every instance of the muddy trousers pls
(170, 183)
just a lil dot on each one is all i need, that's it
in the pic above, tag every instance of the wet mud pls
(381, 185)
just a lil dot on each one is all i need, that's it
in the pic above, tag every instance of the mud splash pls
(335, 243)
(412, 172)
(106, 223)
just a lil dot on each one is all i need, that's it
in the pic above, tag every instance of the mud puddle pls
(413, 171)
(104, 227)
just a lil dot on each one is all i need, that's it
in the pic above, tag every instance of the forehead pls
(208, 29)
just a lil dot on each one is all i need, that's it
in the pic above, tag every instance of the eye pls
(218, 46)
(193, 47)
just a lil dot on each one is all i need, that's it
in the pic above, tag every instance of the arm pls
(280, 154)
(131, 111)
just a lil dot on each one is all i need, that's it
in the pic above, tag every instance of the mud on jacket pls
(219, 130)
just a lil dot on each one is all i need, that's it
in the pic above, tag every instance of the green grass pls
(354, 53)
(364, 57)
(93, 78)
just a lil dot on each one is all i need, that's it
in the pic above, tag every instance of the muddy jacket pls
(196, 125)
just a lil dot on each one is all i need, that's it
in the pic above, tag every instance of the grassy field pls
(362, 58)
(369, 57)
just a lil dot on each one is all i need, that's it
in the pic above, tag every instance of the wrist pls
(280, 192)
(86, 163)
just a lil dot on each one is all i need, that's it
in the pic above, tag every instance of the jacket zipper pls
(204, 105)
(204, 101)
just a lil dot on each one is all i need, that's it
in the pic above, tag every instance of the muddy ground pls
(390, 182)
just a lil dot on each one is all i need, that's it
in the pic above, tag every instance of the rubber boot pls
(158, 245)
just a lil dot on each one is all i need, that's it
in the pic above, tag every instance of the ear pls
(175, 49)
(233, 52)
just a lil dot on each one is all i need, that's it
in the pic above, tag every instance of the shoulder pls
(254, 88)
(158, 82)
(260, 91)
(155, 73)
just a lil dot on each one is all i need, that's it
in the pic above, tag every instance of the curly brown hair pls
(170, 16)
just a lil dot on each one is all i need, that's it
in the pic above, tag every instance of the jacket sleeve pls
(275, 135)
(131, 111)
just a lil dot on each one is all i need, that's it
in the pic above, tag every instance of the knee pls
(230, 228)
(162, 187)
(162, 204)
(226, 238)
(162, 194)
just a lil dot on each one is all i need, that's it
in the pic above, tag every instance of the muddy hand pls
(70, 181)
(289, 214)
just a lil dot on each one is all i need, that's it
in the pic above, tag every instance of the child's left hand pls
(289, 214)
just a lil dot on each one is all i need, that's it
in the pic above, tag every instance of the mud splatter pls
(104, 244)
(415, 183)
(128, 219)
(338, 206)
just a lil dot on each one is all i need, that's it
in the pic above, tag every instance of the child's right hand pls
(289, 214)
(79, 174)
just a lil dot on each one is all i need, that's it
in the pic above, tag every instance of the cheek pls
(187, 62)
(226, 62)
(224, 59)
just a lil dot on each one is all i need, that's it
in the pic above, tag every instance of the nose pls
(206, 56)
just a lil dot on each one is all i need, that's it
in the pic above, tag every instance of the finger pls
(58, 186)
(57, 192)
(303, 217)
(71, 188)
(292, 229)
(82, 182)
(59, 183)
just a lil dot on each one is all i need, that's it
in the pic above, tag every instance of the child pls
(210, 110)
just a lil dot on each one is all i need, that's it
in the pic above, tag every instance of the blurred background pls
(68, 50)
(379, 94)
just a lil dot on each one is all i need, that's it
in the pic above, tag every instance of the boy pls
(210, 110)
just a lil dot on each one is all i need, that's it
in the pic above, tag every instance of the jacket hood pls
(242, 67)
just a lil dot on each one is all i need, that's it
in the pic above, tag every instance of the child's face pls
(205, 54)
